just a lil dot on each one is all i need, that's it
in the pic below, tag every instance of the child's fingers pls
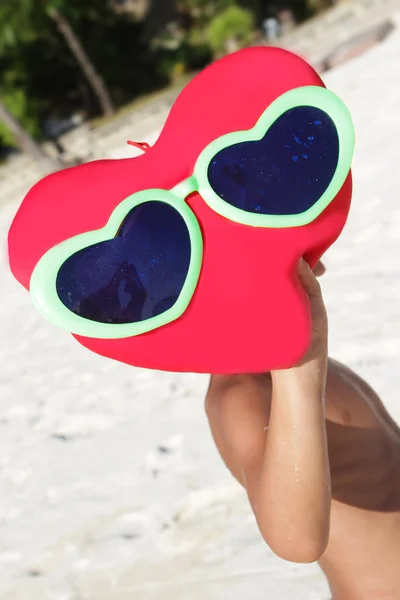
(319, 269)
(318, 312)
(308, 279)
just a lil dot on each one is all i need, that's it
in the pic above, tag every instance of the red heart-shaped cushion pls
(248, 313)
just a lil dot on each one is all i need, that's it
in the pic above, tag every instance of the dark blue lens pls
(136, 275)
(286, 172)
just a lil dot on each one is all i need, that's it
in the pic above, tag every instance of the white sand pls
(89, 507)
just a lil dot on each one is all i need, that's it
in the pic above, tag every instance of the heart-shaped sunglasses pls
(139, 272)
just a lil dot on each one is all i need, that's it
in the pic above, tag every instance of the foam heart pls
(248, 312)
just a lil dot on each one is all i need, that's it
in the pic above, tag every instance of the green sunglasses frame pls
(43, 283)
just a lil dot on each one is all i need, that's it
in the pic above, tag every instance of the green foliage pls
(231, 29)
(40, 78)
(24, 110)
(185, 58)
(204, 7)
(35, 58)
(318, 5)
(21, 23)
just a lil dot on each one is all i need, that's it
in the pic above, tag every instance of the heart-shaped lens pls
(134, 276)
(284, 173)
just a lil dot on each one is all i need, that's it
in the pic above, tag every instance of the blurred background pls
(75, 76)
(110, 486)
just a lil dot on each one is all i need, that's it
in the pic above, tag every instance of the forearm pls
(292, 497)
(275, 443)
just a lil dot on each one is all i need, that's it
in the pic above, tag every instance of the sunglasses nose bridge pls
(186, 187)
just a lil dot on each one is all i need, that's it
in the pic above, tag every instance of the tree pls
(15, 27)
(18, 27)
(230, 30)
(24, 140)
(319, 5)
(74, 44)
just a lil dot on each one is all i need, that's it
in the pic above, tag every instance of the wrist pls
(307, 378)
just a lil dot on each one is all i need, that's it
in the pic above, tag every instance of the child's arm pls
(277, 446)
(292, 497)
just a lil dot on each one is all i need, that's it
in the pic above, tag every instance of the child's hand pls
(319, 342)
(310, 371)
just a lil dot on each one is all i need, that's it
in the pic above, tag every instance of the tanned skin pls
(319, 457)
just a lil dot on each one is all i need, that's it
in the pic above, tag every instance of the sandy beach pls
(110, 486)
